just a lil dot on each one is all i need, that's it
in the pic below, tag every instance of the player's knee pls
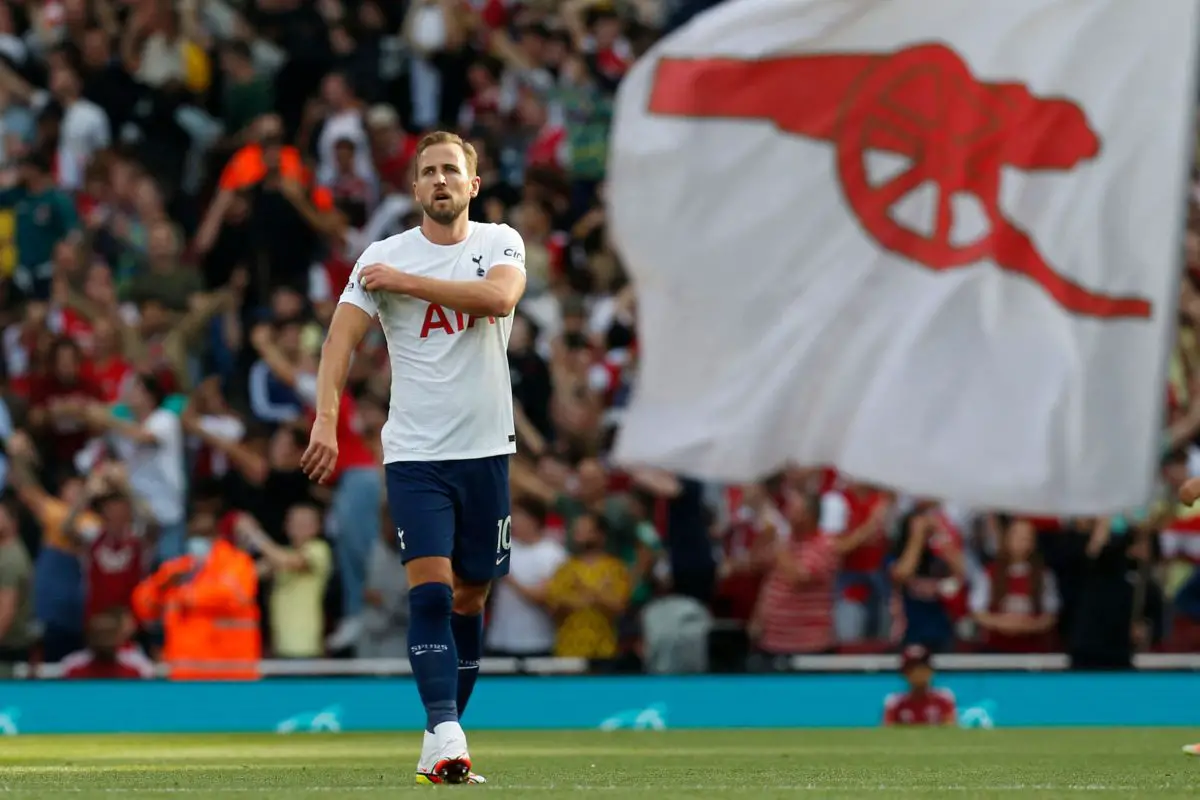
(470, 599)
(429, 570)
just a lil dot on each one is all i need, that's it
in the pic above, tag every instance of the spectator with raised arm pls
(298, 573)
(151, 445)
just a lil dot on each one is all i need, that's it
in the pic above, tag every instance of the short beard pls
(447, 215)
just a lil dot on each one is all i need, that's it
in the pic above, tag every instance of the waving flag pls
(933, 243)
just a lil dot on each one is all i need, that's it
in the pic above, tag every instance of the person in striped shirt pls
(794, 614)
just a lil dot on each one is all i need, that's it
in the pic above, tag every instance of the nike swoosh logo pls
(501, 560)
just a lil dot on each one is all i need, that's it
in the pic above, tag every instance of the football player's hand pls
(382, 278)
(1190, 491)
(320, 459)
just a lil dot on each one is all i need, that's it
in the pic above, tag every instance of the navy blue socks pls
(432, 653)
(468, 640)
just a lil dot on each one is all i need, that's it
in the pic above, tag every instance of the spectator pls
(17, 632)
(248, 93)
(271, 399)
(342, 126)
(45, 215)
(151, 444)
(84, 130)
(923, 703)
(1105, 627)
(207, 601)
(748, 548)
(929, 571)
(588, 593)
(1015, 601)
(163, 278)
(795, 612)
(521, 623)
(119, 551)
(858, 516)
(109, 654)
(299, 574)
(58, 399)
(58, 583)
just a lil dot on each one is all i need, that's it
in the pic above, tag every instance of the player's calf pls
(467, 625)
(432, 653)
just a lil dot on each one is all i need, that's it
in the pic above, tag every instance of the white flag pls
(935, 244)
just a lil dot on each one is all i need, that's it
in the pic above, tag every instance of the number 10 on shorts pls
(503, 538)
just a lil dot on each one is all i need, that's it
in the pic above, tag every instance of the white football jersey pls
(451, 391)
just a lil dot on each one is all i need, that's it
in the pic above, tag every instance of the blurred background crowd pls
(184, 189)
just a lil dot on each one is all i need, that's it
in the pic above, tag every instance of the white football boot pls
(444, 758)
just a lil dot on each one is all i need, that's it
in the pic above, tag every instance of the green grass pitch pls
(697, 765)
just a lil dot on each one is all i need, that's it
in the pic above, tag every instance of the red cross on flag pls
(933, 243)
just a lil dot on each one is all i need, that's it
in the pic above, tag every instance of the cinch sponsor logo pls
(451, 322)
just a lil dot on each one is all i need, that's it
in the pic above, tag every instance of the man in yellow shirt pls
(588, 594)
(301, 573)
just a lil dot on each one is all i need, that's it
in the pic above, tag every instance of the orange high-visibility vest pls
(209, 613)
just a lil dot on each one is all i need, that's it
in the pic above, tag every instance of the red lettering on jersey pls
(435, 317)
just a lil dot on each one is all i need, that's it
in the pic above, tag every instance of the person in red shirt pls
(923, 703)
(109, 654)
(116, 553)
(393, 149)
(858, 517)
(1015, 601)
(59, 399)
(794, 614)
(748, 546)
(107, 369)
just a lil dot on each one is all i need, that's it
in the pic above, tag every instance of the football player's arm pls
(351, 320)
(494, 296)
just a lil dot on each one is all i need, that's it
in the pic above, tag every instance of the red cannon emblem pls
(921, 103)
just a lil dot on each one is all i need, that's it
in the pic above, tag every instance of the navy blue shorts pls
(460, 510)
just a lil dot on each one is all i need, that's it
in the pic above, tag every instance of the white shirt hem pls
(467, 455)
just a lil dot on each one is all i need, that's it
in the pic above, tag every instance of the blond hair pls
(445, 137)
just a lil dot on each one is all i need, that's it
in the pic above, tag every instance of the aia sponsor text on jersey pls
(438, 318)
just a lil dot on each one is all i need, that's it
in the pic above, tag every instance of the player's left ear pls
(476, 182)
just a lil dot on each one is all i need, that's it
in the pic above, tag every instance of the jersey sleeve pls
(354, 294)
(508, 249)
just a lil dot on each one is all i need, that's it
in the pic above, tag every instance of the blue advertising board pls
(1002, 699)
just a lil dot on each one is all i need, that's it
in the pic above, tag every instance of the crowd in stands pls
(184, 189)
